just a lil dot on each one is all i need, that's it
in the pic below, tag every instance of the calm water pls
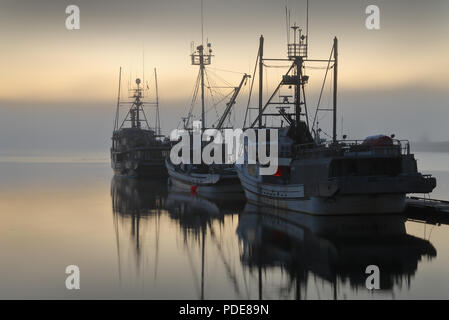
(134, 239)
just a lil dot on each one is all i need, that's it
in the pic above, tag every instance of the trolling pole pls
(118, 100)
(260, 79)
(158, 120)
(334, 135)
(232, 101)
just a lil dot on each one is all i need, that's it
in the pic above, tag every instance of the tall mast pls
(298, 62)
(260, 79)
(297, 51)
(334, 135)
(118, 100)
(135, 109)
(201, 59)
(203, 115)
(158, 120)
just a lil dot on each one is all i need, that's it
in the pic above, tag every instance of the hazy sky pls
(58, 87)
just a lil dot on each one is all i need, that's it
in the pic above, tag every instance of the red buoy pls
(193, 189)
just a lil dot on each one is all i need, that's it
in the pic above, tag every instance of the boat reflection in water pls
(197, 217)
(136, 205)
(175, 244)
(334, 249)
(195, 212)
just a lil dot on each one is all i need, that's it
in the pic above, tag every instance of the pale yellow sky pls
(42, 61)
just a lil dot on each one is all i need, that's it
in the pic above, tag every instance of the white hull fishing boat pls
(326, 177)
(205, 182)
(202, 178)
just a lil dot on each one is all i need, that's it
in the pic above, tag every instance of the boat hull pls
(138, 169)
(205, 184)
(291, 198)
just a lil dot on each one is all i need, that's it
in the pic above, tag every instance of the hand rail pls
(347, 145)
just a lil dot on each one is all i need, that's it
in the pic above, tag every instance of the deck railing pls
(353, 147)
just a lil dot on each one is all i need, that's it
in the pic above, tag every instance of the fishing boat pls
(319, 176)
(138, 150)
(202, 178)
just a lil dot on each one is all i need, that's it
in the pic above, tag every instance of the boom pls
(232, 101)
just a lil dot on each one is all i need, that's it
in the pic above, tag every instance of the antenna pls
(286, 23)
(143, 66)
(202, 24)
(307, 23)
(202, 58)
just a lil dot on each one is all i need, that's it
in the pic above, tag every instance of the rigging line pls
(209, 86)
(320, 68)
(251, 88)
(271, 97)
(324, 132)
(212, 87)
(214, 108)
(322, 87)
(224, 70)
(430, 233)
(195, 95)
(211, 94)
(219, 101)
(145, 117)
(273, 66)
(123, 122)
(220, 78)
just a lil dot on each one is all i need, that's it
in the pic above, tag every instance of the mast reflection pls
(196, 217)
(137, 205)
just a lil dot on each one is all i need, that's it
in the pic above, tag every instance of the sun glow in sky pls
(43, 60)
(43, 63)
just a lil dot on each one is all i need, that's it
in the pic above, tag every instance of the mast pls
(135, 109)
(158, 120)
(118, 100)
(298, 62)
(201, 59)
(203, 116)
(334, 127)
(260, 79)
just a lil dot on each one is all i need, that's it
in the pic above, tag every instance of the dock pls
(427, 210)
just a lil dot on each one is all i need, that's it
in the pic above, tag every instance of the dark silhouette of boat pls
(138, 150)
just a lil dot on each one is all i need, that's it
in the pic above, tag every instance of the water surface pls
(139, 240)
